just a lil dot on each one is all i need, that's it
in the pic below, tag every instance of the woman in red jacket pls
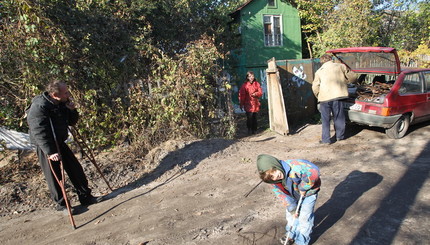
(249, 95)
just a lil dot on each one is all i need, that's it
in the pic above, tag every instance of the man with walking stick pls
(48, 118)
(296, 182)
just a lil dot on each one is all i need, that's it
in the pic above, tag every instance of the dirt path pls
(375, 191)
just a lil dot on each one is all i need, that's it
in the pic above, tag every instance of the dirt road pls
(375, 190)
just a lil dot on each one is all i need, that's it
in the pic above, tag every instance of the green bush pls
(130, 84)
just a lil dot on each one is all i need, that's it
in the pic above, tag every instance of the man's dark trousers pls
(335, 107)
(73, 169)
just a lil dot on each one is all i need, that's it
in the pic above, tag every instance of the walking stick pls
(62, 182)
(247, 194)
(294, 219)
(76, 133)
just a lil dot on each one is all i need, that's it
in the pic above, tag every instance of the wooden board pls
(277, 112)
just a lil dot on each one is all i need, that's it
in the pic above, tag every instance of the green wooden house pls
(267, 29)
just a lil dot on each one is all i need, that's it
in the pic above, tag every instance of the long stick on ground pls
(294, 218)
(247, 194)
(61, 182)
(79, 138)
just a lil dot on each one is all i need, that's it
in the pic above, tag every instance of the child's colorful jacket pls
(300, 175)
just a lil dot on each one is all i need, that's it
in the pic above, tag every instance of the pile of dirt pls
(24, 189)
(21, 180)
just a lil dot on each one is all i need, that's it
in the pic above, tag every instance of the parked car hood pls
(381, 60)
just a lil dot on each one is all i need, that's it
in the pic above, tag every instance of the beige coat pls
(331, 81)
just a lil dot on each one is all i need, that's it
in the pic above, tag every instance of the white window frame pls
(273, 39)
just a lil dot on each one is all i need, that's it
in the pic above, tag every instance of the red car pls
(384, 94)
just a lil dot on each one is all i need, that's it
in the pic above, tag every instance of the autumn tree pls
(412, 28)
(341, 23)
(350, 24)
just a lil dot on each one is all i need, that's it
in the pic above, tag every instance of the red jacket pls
(249, 95)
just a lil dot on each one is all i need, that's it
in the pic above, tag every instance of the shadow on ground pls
(343, 196)
(385, 223)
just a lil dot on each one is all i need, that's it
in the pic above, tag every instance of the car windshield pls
(384, 63)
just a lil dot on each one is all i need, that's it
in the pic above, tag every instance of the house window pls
(271, 3)
(272, 30)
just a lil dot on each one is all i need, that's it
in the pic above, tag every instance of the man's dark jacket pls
(41, 110)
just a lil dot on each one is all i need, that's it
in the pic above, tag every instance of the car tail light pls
(383, 111)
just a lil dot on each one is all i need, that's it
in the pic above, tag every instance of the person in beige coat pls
(330, 88)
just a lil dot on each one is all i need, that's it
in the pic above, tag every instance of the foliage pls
(419, 57)
(413, 28)
(422, 54)
(28, 52)
(184, 89)
(350, 24)
(313, 13)
(341, 23)
(140, 70)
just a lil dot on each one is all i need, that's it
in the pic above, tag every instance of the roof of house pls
(236, 12)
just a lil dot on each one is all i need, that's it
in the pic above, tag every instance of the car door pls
(412, 96)
(426, 77)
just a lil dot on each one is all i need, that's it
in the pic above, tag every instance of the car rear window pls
(369, 62)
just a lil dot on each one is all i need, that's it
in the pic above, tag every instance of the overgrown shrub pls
(130, 85)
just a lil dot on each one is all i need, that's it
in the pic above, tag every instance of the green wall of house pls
(254, 53)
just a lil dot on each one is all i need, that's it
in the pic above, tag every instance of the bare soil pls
(375, 190)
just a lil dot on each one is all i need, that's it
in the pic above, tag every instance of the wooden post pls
(277, 113)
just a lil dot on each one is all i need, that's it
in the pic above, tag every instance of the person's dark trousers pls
(73, 169)
(251, 121)
(326, 109)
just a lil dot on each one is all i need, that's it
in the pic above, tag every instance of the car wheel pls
(399, 129)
